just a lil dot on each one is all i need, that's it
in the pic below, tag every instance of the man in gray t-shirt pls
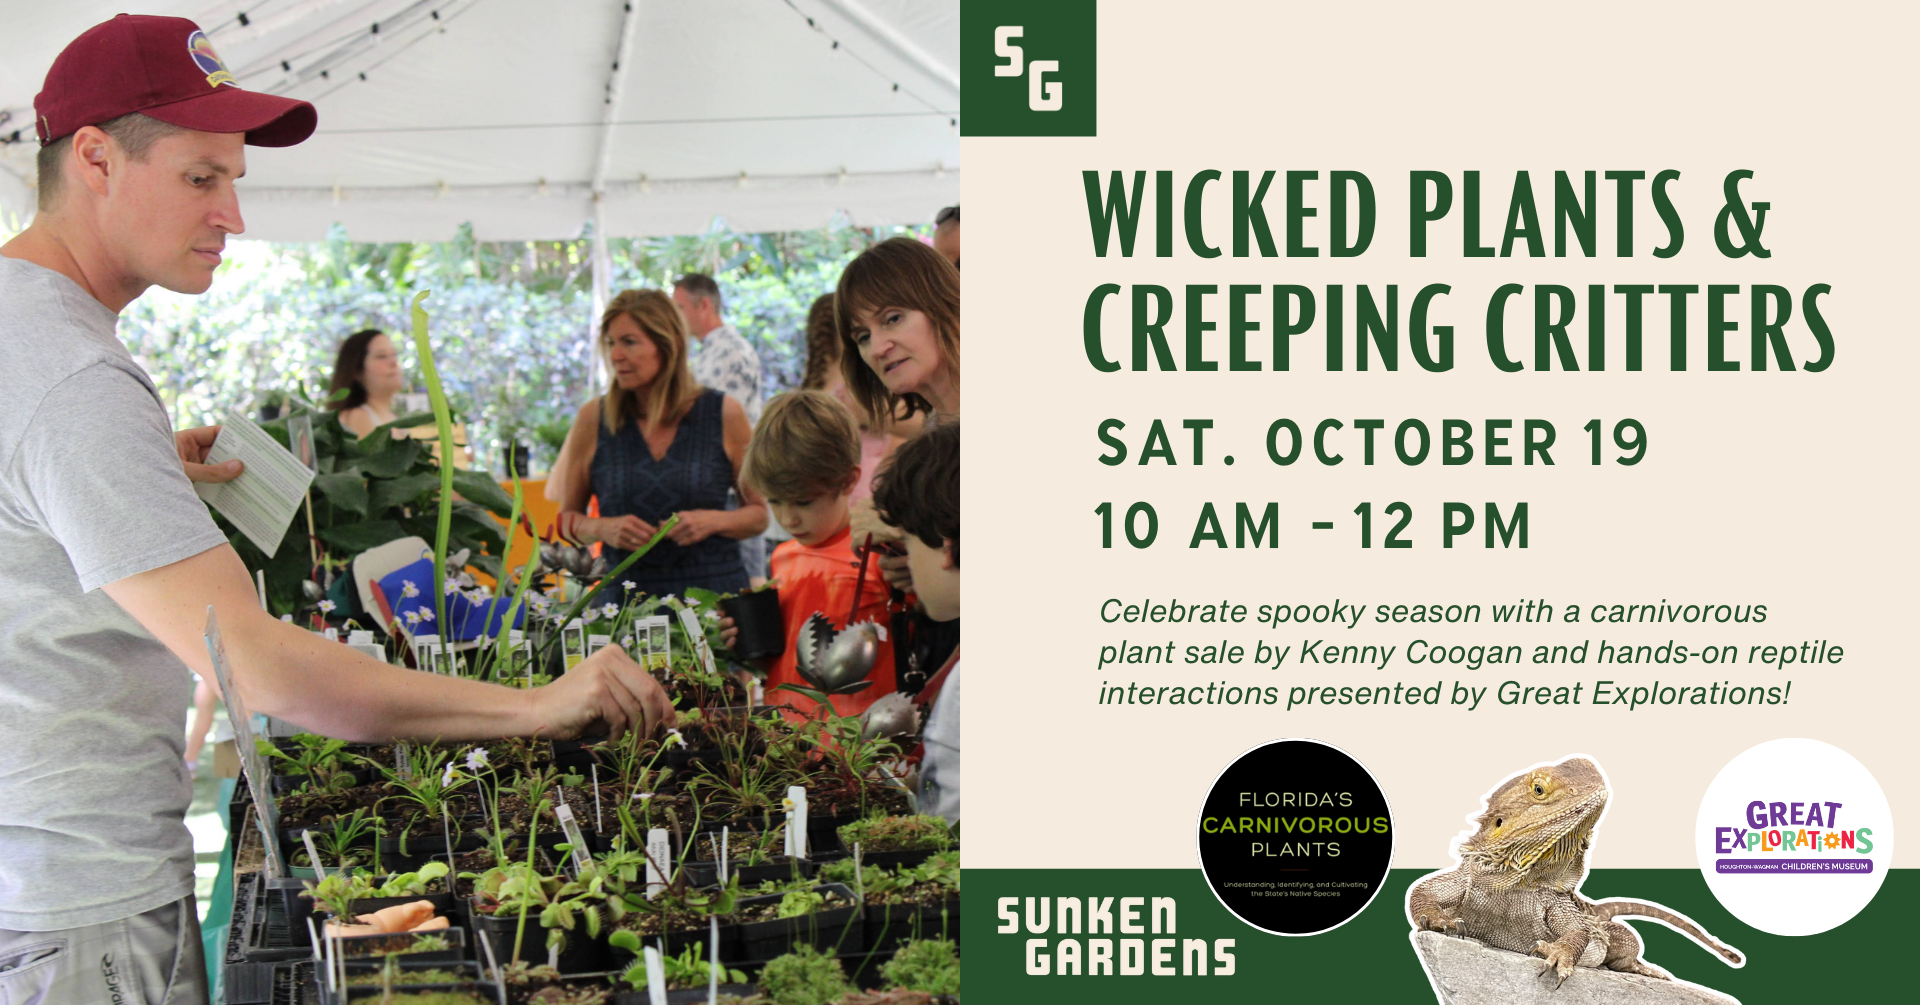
(112, 563)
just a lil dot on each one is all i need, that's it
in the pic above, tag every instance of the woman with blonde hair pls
(654, 445)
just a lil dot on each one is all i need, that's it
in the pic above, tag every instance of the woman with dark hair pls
(655, 445)
(878, 436)
(368, 368)
(898, 312)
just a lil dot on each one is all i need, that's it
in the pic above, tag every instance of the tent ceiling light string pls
(861, 16)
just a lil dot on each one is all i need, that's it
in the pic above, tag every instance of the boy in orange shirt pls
(805, 459)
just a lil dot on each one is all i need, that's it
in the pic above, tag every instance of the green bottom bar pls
(1370, 959)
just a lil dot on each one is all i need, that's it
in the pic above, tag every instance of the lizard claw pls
(1443, 921)
(1558, 959)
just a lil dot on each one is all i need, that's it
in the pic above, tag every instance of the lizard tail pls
(1610, 909)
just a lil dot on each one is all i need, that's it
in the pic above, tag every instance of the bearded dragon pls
(1517, 886)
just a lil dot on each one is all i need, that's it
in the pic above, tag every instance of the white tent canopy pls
(530, 119)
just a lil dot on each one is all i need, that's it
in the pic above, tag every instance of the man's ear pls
(92, 151)
(947, 559)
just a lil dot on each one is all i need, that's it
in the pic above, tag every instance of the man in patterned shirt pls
(724, 360)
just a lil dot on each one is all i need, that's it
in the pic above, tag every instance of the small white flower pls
(640, 797)
(628, 584)
(626, 642)
(426, 614)
(326, 606)
(413, 617)
(609, 610)
(589, 616)
(711, 615)
(452, 585)
(477, 759)
(446, 778)
(674, 739)
(407, 589)
(787, 805)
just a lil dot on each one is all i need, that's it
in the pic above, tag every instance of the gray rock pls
(1469, 972)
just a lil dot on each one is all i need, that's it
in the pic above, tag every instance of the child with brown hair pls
(805, 459)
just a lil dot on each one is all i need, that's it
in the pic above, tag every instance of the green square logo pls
(1027, 68)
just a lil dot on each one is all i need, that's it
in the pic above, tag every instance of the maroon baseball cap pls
(166, 68)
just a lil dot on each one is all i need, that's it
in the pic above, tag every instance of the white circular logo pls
(1794, 837)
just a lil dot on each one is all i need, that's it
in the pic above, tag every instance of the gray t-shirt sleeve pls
(100, 465)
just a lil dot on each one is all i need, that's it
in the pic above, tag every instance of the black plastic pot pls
(363, 947)
(834, 930)
(890, 925)
(894, 859)
(756, 616)
(473, 978)
(581, 955)
(518, 456)
(283, 784)
(421, 849)
(702, 874)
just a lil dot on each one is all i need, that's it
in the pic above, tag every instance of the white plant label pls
(722, 862)
(659, 643)
(571, 829)
(266, 812)
(597, 824)
(659, 853)
(332, 634)
(691, 622)
(713, 960)
(656, 977)
(797, 822)
(573, 642)
(595, 643)
(313, 855)
(403, 761)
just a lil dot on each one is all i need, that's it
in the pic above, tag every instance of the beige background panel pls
(1791, 490)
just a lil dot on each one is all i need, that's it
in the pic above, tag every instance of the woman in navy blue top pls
(658, 444)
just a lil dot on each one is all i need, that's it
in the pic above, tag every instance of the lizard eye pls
(1497, 822)
(1537, 790)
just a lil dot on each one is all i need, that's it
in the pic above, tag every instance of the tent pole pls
(602, 164)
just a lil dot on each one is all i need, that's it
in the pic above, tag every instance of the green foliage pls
(930, 965)
(690, 969)
(804, 977)
(915, 833)
(369, 492)
(317, 757)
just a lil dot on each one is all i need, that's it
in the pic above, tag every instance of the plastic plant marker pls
(595, 643)
(572, 830)
(698, 638)
(642, 646)
(313, 855)
(656, 977)
(797, 821)
(660, 642)
(595, 769)
(446, 824)
(266, 811)
(859, 881)
(260, 580)
(658, 852)
(713, 960)
(332, 634)
(573, 643)
(722, 861)
(403, 761)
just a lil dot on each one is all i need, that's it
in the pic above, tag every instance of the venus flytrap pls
(613, 575)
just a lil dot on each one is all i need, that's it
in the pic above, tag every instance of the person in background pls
(655, 445)
(367, 367)
(879, 436)
(723, 360)
(805, 459)
(919, 492)
(114, 563)
(203, 699)
(946, 234)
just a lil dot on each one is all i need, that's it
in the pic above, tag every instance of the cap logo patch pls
(201, 49)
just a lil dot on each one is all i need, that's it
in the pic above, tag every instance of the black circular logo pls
(1295, 837)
